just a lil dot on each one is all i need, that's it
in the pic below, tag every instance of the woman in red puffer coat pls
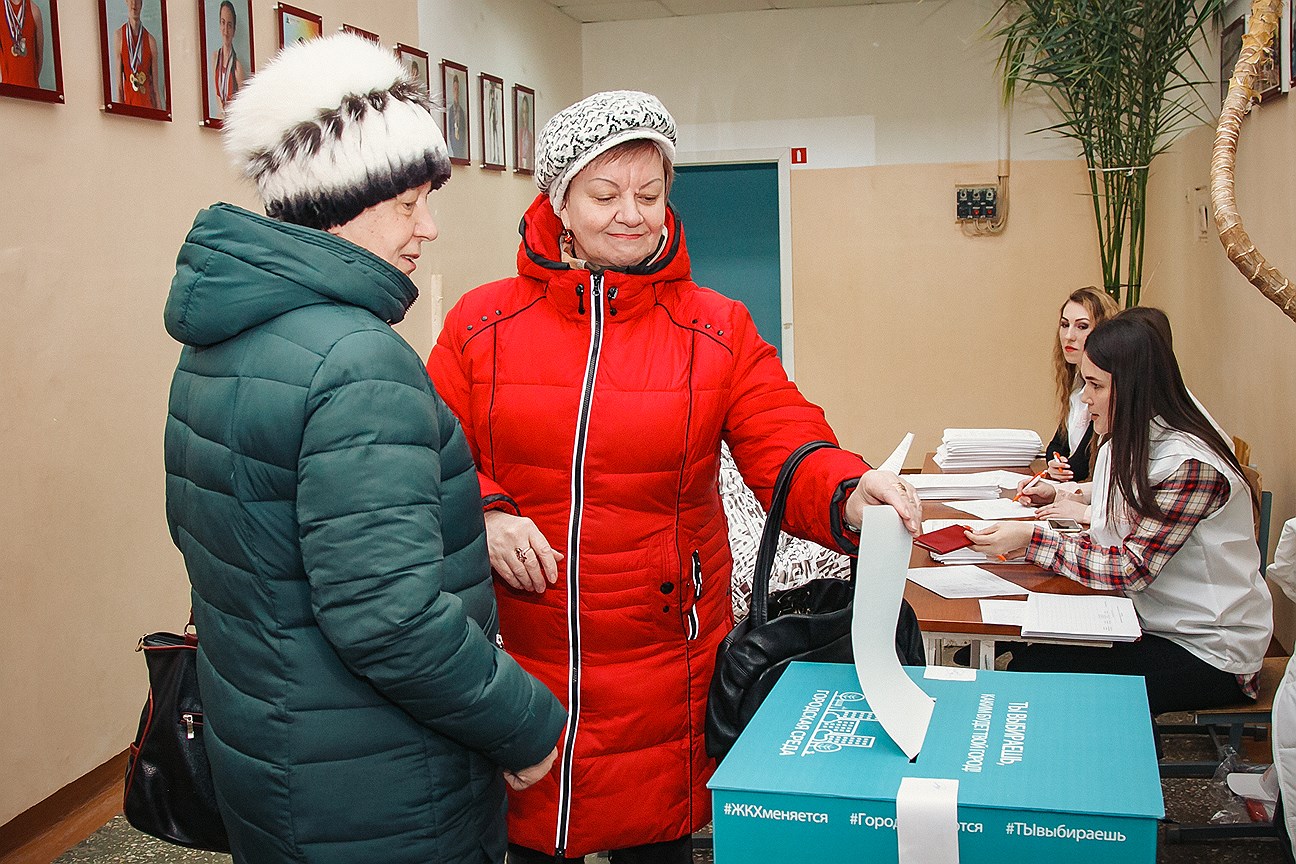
(595, 388)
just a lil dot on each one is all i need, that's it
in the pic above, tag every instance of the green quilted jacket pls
(358, 707)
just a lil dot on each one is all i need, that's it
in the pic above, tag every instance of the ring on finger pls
(521, 553)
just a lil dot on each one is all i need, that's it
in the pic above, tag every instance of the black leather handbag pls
(169, 791)
(811, 622)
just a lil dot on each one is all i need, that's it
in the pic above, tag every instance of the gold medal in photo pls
(19, 48)
(138, 80)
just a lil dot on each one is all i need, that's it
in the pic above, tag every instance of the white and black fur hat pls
(331, 127)
(575, 136)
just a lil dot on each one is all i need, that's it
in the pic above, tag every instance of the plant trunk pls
(1241, 94)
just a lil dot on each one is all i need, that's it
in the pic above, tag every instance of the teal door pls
(731, 223)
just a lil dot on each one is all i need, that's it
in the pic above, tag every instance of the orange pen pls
(1032, 482)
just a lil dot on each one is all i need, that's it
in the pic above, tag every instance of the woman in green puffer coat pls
(358, 705)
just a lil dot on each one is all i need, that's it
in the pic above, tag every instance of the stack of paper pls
(963, 487)
(1066, 616)
(987, 448)
(965, 555)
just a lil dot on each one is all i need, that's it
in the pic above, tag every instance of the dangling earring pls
(567, 240)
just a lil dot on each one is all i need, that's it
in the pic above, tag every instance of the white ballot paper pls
(899, 704)
(895, 461)
(927, 821)
(1009, 613)
(955, 581)
(994, 508)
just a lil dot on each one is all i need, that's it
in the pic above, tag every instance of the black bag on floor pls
(169, 791)
(810, 622)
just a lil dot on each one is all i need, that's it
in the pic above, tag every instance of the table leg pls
(934, 647)
(985, 653)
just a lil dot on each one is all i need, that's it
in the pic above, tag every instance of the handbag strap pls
(758, 609)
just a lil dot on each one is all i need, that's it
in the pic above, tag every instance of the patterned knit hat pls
(331, 127)
(575, 136)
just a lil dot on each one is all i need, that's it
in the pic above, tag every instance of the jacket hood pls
(540, 255)
(237, 270)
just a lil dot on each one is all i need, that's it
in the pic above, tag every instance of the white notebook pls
(1066, 616)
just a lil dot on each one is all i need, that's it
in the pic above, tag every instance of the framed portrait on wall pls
(297, 25)
(492, 121)
(31, 65)
(372, 37)
(523, 129)
(415, 62)
(136, 59)
(1287, 28)
(454, 94)
(225, 34)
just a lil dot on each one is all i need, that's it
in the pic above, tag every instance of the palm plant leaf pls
(1124, 78)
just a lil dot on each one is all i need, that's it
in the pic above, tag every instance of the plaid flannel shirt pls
(1189, 495)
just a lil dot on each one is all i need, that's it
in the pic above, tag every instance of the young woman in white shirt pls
(1171, 528)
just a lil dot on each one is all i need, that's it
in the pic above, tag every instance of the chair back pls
(1261, 501)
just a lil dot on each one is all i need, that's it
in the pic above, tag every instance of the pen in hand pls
(1032, 482)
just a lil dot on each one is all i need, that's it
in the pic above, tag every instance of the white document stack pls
(987, 448)
(1060, 616)
(963, 487)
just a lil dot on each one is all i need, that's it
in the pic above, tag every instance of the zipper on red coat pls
(573, 566)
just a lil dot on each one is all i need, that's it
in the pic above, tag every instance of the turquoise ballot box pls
(1050, 768)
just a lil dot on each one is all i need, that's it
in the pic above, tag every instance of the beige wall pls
(88, 238)
(917, 77)
(903, 324)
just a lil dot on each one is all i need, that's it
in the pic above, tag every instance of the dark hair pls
(1154, 318)
(226, 4)
(1146, 383)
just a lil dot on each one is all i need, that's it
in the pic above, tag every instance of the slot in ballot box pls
(1050, 767)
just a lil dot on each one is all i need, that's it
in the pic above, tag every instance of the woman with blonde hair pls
(1070, 453)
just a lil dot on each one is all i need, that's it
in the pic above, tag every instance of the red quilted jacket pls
(595, 405)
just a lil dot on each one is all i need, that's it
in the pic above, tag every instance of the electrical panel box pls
(976, 203)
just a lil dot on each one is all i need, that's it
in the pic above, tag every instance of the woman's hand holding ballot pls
(884, 487)
(1002, 540)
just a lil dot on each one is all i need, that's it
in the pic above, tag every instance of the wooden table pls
(941, 618)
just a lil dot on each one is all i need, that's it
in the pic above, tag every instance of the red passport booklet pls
(944, 540)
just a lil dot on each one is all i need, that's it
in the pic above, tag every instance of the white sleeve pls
(1282, 572)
